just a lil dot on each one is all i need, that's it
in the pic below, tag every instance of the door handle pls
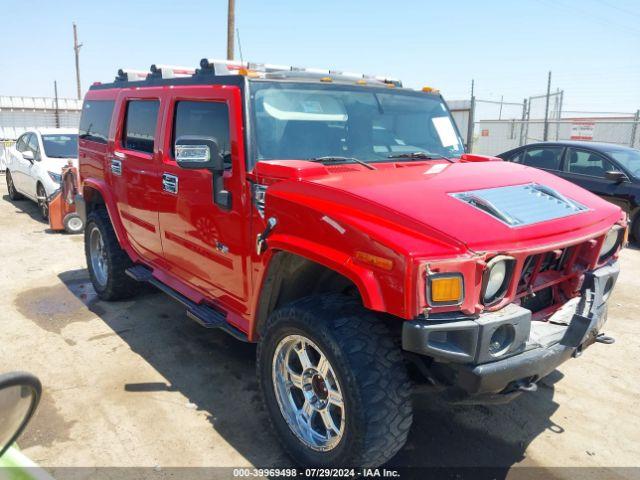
(170, 183)
(116, 166)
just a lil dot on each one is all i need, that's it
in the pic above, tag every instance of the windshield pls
(302, 121)
(60, 146)
(629, 158)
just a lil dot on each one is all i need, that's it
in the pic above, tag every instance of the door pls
(32, 168)
(134, 170)
(588, 168)
(206, 244)
(18, 166)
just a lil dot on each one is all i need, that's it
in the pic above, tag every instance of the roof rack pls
(171, 71)
(232, 67)
(130, 75)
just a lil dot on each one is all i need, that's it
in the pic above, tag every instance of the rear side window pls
(204, 119)
(140, 125)
(95, 120)
(548, 157)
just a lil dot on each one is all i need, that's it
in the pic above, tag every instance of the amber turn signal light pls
(380, 262)
(445, 289)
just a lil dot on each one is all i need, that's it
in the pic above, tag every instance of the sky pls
(507, 47)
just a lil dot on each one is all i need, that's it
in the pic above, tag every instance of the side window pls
(21, 144)
(95, 120)
(32, 144)
(548, 157)
(140, 125)
(204, 119)
(516, 157)
(589, 163)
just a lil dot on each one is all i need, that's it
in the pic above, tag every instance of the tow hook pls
(261, 240)
(602, 338)
(527, 387)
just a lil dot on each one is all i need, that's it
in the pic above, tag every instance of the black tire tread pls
(15, 195)
(119, 285)
(376, 362)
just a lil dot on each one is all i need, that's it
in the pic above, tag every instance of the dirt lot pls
(136, 383)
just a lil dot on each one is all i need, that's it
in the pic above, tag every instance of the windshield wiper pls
(419, 156)
(333, 159)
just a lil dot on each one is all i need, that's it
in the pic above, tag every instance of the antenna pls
(239, 44)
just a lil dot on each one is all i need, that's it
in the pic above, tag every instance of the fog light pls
(501, 339)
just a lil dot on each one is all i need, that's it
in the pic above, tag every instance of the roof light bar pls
(171, 71)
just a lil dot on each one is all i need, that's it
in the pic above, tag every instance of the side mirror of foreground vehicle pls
(28, 156)
(193, 152)
(19, 396)
(616, 176)
(199, 153)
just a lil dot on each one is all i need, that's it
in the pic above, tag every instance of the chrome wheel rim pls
(308, 393)
(98, 255)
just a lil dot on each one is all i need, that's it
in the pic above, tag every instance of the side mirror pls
(19, 397)
(194, 152)
(616, 176)
(29, 156)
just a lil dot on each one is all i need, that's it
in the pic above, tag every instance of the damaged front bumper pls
(466, 356)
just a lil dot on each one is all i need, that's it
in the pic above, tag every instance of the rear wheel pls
(106, 260)
(43, 201)
(11, 188)
(334, 383)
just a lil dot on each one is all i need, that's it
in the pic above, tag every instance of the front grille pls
(541, 263)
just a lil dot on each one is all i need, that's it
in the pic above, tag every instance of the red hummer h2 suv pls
(335, 220)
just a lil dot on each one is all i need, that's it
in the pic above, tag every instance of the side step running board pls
(205, 315)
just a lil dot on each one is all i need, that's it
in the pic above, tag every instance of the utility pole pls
(470, 123)
(76, 49)
(231, 24)
(56, 107)
(545, 134)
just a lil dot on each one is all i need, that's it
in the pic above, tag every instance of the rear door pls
(18, 166)
(588, 168)
(543, 157)
(134, 170)
(204, 243)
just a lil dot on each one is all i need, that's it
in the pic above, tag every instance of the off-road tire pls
(11, 188)
(370, 369)
(119, 285)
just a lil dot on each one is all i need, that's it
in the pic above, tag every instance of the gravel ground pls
(136, 383)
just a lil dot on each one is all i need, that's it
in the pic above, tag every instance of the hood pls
(437, 196)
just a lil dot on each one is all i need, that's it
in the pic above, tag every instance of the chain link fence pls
(497, 136)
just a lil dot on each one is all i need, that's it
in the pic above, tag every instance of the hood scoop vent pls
(521, 205)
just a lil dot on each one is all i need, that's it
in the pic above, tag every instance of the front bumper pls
(460, 347)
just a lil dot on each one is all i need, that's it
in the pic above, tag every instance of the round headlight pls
(610, 243)
(497, 276)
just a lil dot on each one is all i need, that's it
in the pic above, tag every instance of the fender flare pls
(363, 278)
(112, 209)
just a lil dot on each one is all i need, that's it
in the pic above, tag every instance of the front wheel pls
(106, 260)
(43, 202)
(334, 383)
